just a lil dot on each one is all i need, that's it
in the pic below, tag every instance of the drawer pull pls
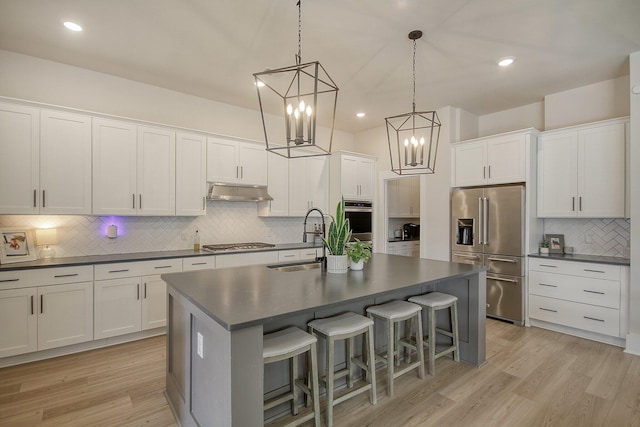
(513, 261)
(593, 318)
(119, 271)
(501, 279)
(547, 265)
(467, 256)
(550, 286)
(548, 309)
(289, 256)
(65, 275)
(593, 292)
(9, 280)
(199, 263)
(594, 271)
(162, 266)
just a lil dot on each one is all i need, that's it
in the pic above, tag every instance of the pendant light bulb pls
(301, 107)
(289, 109)
(422, 141)
(309, 110)
(406, 142)
(296, 113)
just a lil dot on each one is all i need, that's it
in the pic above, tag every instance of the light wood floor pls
(533, 377)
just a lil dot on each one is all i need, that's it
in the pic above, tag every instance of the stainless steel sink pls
(298, 266)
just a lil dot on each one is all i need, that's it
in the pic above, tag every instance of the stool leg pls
(390, 355)
(396, 349)
(293, 374)
(349, 343)
(432, 341)
(329, 381)
(419, 345)
(454, 329)
(372, 365)
(313, 382)
(408, 328)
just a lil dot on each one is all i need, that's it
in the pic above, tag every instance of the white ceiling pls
(210, 48)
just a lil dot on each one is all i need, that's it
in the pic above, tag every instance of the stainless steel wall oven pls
(360, 215)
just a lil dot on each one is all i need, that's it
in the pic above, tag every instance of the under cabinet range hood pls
(237, 192)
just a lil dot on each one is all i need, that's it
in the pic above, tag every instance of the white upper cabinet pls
(65, 163)
(191, 174)
(19, 146)
(296, 186)
(133, 169)
(498, 159)
(352, 177)
(404, 197)
(581, 171)
(236, 162)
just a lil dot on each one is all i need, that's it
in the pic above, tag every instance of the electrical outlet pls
(200, 346)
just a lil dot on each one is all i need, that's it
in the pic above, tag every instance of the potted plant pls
(338, 235)
(544, 246)
(359, 253)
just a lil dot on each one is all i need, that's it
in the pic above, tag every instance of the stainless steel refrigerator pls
(488, 229)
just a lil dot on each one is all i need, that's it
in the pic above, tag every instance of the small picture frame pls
(556, 243)
(17, 245)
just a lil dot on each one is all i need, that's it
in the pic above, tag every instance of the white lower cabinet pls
(45, 309)
(586, 296)
(251, 258)
(199, 263)
(404, 248)
(130, 299)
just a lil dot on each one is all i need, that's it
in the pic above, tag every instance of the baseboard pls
(633, 344)
(617, 341)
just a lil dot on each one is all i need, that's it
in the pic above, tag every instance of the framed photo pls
(17, 245)
(556, 243)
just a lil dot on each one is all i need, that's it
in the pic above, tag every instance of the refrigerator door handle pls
(485, 220)
(513, 261)
(481, 221)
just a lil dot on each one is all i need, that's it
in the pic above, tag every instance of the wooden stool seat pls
(288, 344)
(393, 313)
(346, 327)
(433, 302)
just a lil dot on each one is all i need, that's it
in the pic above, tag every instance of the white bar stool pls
(288, 344)
(433, 302)
(345, 327)
(393, 313)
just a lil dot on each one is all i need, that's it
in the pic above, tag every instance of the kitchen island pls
(217, 319)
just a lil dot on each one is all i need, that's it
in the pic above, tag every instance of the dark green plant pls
(339, 232)
(359, 251)
(544, 244)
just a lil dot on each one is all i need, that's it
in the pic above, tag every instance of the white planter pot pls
(544, 250)
(357, 265)
(337, 263)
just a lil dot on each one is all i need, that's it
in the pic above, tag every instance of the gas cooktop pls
(229, 247)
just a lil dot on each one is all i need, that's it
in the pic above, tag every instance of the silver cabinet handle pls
(199, 263)
(501, 279)
(41, 303)
(35, 194)
(241, 172)
(204, 203)
(65, 275)
(162, 266)
(593, 318)
(580, 203)
(513, 261)
(289, 256)
(44, 200)
(8, 280)
(467, 256)
(573, 203)
(133, 201)
(119, 271)
(140, 204)
(594, 271)
(593, 292)
(484, 172)
(145, 290)
(550, 286)
(547, 265)
(138, 291)
(489, 171)
(32, 304)
(237, 171)
(548, 309)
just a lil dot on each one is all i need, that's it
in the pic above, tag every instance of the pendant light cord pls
(299, 57)
(414, 75)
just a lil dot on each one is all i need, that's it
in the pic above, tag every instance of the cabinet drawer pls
(118, 270)
(310, 254)
(601, 320)
(198, 263)
(583, 269)
(161, 266)
(19, 279)
(605, 293)
(291, 255)
(53, 276)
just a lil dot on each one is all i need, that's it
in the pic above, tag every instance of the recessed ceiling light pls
(360, 114)
(72, 26)
(505, 62)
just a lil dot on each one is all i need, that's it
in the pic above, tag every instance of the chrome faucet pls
(323, 260)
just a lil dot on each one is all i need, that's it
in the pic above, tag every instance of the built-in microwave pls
(360, 216)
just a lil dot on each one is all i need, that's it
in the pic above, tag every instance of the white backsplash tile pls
(607, 236)
(225, 222)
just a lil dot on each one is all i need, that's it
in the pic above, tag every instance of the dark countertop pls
(398, 239)
(139, 256)
(585, 258)
(246, 296)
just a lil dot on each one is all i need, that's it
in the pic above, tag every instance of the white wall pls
(633, 338)
(34, 79)
(600, 101)
(527, 116)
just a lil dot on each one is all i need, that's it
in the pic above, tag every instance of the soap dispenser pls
(196, 242)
